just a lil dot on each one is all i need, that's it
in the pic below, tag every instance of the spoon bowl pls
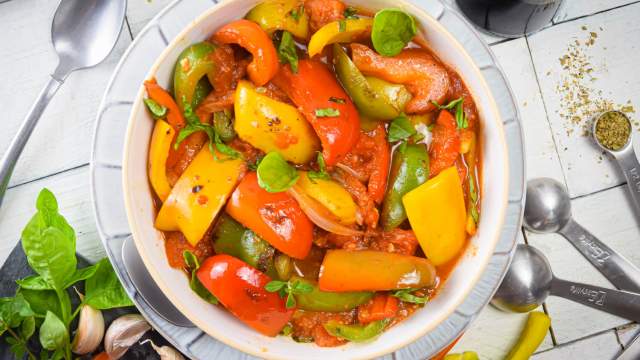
(626, 146)
(527, 282)
(547, 207)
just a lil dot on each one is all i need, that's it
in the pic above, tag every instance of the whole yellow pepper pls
(331, 195)
(161, 140)
(199, 194)
(271, 125)
(288, 15)
(531, 337)
(342, 31)
(436, 211)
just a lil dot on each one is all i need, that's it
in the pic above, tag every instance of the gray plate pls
(108, 203)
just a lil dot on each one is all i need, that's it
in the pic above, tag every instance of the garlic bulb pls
(90, 329)
(165, 352)
(122, 333)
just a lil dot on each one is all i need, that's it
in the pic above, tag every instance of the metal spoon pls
(626, 158)
(529, 281)
(83, 33)
(548, 209)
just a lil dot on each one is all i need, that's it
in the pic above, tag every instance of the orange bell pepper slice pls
(382, 306)
(250, 36)
(275, 217)
(162, 97)
(315, 90)
(240, 288)
(370, 270)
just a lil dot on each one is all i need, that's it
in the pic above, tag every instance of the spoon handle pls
(12, 154)
(631, 169)
(618, 270)
(616, 302)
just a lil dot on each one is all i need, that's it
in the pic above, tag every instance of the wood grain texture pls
(613, 57)
(571, 9)
(603, 346)
(62, 139)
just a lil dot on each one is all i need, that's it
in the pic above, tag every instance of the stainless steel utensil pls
(529, 281)
(83, 33)
(627, 159)
(147, 287)
(548, 209)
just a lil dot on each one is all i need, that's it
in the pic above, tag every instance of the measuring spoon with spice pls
(612, 132)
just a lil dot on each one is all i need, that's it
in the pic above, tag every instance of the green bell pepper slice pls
(193, 63)
(409, 169)
(203, 88)
(288, 15)
(223, 125)
(374, 98)
(318, 300)
(356, 333)
(231, 238)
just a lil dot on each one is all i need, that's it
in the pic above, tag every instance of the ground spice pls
(613, 130)
(580, 100)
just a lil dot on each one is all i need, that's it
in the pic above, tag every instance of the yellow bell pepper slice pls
(437, 215)
(271, 125)
(331, 195)
(352, 29)
(286, 15)
(158, 153)
(531, 337)
(199, 194)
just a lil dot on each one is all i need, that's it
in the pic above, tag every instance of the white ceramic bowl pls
(225, 327)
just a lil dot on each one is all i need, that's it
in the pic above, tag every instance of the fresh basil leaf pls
(17, 348)
(157, 111)
(49, 242)
(449, 106)
(407, 296)
(34, 282)
(286, 330)
(225, 149)
(299, 287)
(392, 30)
(254, 166)
(327, 112)
(461, 117)
(82, 274)
(275, 174)
(342, 25)
(350, 13)
(291, 301)
(297, 12)
(275, 285)
(28, 327)
(53, 332)
(400, 129)
(13, 310)
(473, 194)
(103, 290)
(191, 260)
(287, 51)
(42, 301)
(322, 173)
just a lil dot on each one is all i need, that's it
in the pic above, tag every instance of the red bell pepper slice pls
(240, 288)
(275, 217)
(382, 306)
(445, 144)
(250, 36)
(380, 164)
(314, 88)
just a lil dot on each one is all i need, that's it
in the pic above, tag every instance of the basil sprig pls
(275, 174)
(392, 30)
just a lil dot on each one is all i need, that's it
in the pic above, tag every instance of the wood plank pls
(139, 13)
(613, 57)
(603, 346)
(72, 191)
(541, 155)
(597, 213)
(571, 9)
(63, 137)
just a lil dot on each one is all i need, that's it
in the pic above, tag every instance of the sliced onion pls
(352, 172)
(319, 215)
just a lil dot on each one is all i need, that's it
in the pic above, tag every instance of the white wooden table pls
(57, 156)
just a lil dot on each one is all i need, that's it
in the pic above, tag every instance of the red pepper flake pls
(202, 200)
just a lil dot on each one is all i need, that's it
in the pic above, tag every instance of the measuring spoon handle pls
(618, 270)
(616, 302)
(631, 169)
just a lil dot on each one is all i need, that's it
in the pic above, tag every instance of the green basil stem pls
(21, 341)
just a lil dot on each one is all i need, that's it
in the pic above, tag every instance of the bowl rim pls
(492, 107)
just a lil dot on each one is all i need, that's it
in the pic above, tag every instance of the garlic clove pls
(165, 352)
(124, 332)
(90, 331)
